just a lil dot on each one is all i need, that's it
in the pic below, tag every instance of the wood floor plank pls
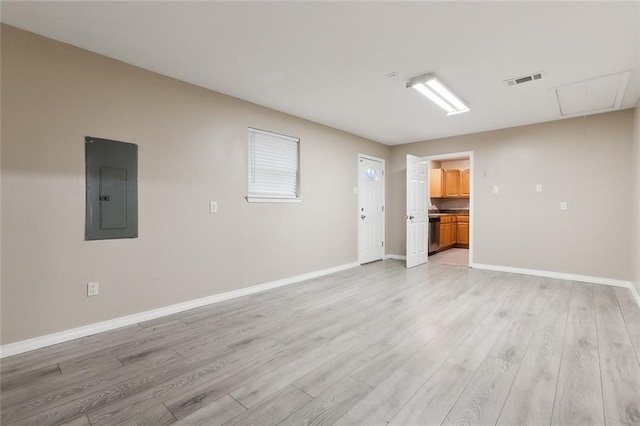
(100, 362)
(80, 421)
(330, 405)
(620, 383)
(474, 348)
(433, 401)
(631, 314)
(534, 302)
(156, 414)
(548, 337)
(109, 394)
(530, 400)
(217, 413)
(373, 372)
(380, 405)
(612, 422)
(63, 351)
(274, 409)
(484, 397)
(19, 380)
(426, 361)
(578, 398)
(257, 390)
(609, 319)
(187, 389)
(326, 375)
(581, 325)
(619, 367)
(514, 340)
(62, 388)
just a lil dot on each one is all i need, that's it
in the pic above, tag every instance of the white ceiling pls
(328, 61)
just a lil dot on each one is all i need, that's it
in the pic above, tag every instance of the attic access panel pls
(111, 189)
(599, 94)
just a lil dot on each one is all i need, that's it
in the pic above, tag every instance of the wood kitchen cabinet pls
(436, 183)
(452, 183)
(449, 183)
(462, 231)
(454, 231)
(448, 232)
(465, 177)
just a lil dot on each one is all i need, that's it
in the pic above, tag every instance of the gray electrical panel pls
(112, 189)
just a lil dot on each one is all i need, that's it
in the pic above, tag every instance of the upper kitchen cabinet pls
(452, 183)
(465, 177)
(436, 183)
(449, 183)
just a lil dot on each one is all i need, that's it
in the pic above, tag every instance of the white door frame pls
(384, 202)
(453, 156)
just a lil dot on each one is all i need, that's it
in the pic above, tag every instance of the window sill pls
(273, 200)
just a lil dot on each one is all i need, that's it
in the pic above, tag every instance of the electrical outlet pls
(496, 189)
(213, 207)
(563, 205)
(93, 288)
(539, 187)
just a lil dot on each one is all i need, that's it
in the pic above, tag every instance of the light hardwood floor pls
(452, 256)
(378, 344)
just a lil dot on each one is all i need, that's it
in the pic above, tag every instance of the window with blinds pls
(274, 167)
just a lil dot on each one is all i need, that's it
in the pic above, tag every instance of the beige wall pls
(584, 164)
(192, 149)
(455, 164)
(635, 222)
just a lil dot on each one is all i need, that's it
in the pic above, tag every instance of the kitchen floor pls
(454, 256)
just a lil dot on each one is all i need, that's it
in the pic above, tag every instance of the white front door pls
(417, 215)
(370, 209)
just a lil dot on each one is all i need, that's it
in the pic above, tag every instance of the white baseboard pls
(395, 256)
(635, 294)
(87, 330)
(550, 274)
(562, 276)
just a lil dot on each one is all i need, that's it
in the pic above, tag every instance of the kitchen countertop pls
(441, 213)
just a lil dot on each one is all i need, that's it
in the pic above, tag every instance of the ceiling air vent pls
(523, 79)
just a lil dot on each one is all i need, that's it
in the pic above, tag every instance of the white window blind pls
(273, 166)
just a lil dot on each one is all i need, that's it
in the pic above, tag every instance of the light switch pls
(539, 187)
(496, 189)
(563, 205)
(213, 207)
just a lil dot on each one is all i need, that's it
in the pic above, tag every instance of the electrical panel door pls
(112, 189)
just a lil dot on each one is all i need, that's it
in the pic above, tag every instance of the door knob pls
(362, 217)
(410, 217)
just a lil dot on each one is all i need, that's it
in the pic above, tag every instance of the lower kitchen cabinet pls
(448, 232)
(454, 232)
(462, 228)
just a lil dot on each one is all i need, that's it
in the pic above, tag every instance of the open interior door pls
(417, 215)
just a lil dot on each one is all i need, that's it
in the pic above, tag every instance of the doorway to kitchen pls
(450, 207)
(446, 193)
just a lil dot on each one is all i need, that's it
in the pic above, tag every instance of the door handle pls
(103, 198)
(410, 218)
(362, 217)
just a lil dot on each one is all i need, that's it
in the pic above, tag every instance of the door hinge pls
(382, 208)
(383, 244)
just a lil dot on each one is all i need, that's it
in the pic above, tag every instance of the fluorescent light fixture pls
(433, 89)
